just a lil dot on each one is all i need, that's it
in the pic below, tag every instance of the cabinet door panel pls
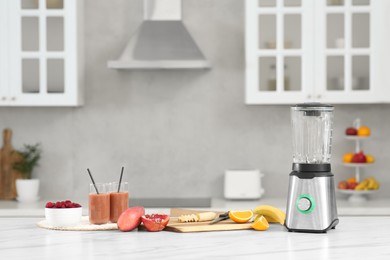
(30, 33)
(278, 51)
(44, 51)
(30, 76)
(361, 72)
(55, 33)
(335, 73)
(293, 74)
(360, 30)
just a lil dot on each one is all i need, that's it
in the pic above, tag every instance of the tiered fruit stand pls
(357, 195)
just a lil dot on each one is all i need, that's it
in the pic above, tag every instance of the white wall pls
(175, 131)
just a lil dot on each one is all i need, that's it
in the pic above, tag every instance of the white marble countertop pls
(377, 207)
(354, 238)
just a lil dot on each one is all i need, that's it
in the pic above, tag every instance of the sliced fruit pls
(364, 131)
(278, 215)
(155, 222)
(260, 224)
(241, 216)
(370, 158)
(347, 158)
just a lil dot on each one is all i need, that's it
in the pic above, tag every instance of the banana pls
(268, 218)
(272, 214)
(369, 183)
(362, 185)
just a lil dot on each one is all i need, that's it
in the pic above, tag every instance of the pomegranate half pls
(155, 222)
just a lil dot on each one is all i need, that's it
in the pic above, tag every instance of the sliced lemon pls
(260, 224)
(241, 216)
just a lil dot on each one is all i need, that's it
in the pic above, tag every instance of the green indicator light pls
(305, 204)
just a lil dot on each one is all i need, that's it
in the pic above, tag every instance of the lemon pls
(241, 216)
(260, 224)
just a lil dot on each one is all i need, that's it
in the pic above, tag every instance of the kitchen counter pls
(377, 207)
(354, 238)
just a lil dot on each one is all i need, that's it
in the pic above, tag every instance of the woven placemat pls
(83, 226)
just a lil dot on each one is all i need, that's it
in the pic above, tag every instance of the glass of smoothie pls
(119, 200)
(99, 203)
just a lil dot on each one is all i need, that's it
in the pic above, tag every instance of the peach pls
(130, 218)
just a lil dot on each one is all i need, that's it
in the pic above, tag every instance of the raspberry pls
(58, 204)
(50, 204)
(68, 204)
(68, 201)
(76, 205)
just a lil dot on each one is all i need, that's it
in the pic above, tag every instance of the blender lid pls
(312, 109)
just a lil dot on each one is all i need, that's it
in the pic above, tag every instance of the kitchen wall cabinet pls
(330, 51)
(41, 53)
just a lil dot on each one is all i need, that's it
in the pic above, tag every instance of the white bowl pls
(63, 217)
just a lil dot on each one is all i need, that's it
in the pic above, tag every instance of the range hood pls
(161, 42)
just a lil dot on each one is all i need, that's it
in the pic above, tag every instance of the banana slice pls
(198, 217)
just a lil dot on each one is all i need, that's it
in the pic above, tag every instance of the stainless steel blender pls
(311, 204)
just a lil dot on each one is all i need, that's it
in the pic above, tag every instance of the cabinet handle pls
(318, 96)
(13, 98)
(3, 98)
(308, 96)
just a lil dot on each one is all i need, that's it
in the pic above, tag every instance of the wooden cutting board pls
(224, 225)
(8, 175)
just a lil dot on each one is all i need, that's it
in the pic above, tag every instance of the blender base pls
(332, 226)
(311, 205)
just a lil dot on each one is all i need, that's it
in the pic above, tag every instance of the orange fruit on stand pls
(364, 131)
(347, 158)
(260, 224)
(241, 216)
(370, 158)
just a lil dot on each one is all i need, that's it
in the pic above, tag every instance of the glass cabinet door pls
(277, 50)
(44, 68)
(332, 51)
(346, 50)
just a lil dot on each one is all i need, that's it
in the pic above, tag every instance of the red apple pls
(130, 218)
(351, 185)
(351, 131)
(359, 158)
(342, 185)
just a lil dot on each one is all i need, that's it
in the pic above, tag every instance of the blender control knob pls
(305, 204)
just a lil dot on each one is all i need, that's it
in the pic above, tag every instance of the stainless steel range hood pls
(161, 42)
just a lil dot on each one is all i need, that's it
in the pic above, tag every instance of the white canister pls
(243, 184)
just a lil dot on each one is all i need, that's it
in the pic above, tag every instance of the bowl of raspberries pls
(63, 213)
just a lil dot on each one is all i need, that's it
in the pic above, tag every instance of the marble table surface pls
(365, 237)
(375, 207)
